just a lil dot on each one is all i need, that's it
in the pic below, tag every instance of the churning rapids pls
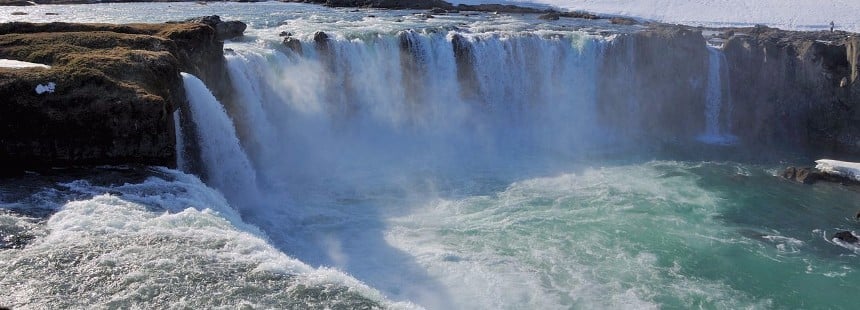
(448, 163)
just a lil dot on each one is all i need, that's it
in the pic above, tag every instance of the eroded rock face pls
(795, 89)
(108, 97)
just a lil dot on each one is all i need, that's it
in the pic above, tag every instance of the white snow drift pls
(17, 64)
(785, 14)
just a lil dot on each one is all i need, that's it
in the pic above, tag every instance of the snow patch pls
(840, 168)
(17, 64)
(47, 88)
(784, 14)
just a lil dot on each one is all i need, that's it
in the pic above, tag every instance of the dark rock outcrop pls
(803, 175)
(108, 97)
(846, 236)
(550, 16)
(795, 89)
(808, 175)
(293, 44)
(225, 30)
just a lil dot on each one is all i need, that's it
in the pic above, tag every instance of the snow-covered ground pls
(785, 14)
(16, 64)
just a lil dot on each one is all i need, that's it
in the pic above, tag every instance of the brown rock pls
(114, 90)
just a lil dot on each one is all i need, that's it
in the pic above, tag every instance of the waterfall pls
(181, 161)
(428, 97)
(226, 165)
(717, 106)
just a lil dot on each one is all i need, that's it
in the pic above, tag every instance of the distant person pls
(832, 25)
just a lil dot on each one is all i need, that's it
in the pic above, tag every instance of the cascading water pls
(718, 102)
(419, 95)
(227, 167)
(181, 160)
(442, 162)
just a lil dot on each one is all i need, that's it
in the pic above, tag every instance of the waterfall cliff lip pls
(108, 96)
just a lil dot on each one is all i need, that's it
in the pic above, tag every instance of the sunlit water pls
(328, 187)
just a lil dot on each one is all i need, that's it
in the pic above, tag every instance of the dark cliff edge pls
(796, 89)
(109, 95)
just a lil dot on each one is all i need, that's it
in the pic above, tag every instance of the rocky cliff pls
(788, 90)
(795, 89)
(108, 95)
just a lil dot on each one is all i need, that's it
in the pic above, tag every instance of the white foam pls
(227, 166)
(570, 241)
(163, 243)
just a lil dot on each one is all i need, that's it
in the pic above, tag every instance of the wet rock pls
(846, 236)
(322, 41)
(293, 44)
(789, 173)
(285, 34)
(805, 175)
(808, 175)
(623, 21)
(19, 13)
(438, 11)
(550, 16)
(321, 37)
(579, 14)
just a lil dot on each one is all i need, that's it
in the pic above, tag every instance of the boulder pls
(294, 44)
(846, 236)
(550, 16)
(225, 30)
(805, 175)
(321, 39)
(623, 21)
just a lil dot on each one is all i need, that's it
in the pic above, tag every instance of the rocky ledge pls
(107, 92)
